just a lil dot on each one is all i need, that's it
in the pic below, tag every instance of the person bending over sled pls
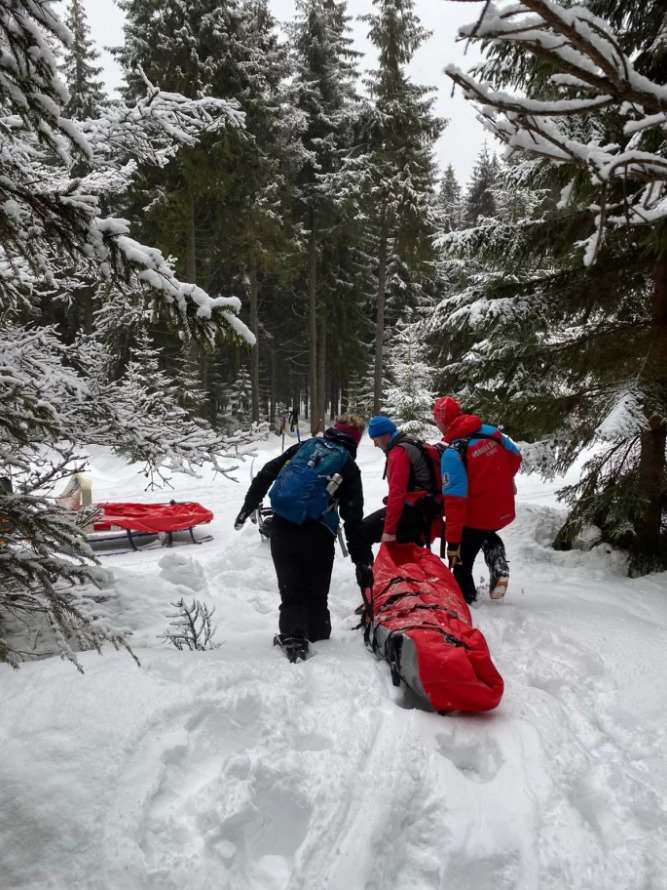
(310, 482)
(478, 467)
(413, 513)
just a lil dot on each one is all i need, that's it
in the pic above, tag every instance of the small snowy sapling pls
(192, 627)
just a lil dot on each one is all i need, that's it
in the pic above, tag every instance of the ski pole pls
(342, 543)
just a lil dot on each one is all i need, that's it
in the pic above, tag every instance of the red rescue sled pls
(417, 620)
(150, 519)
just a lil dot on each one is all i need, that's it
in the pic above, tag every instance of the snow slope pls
(232, 768)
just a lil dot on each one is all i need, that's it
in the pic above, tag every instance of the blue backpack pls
(299, 493)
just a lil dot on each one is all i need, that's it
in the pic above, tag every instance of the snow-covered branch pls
(45, 209)
(592, 75)
(59, 242)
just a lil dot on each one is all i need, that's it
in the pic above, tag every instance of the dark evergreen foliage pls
(563, 351)
(395, 171)
(479, 198)
(449, 201)
(224, 207)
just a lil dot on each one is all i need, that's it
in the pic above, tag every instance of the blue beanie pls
(380, 425)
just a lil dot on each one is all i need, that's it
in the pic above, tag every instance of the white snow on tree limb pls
(587, 59)
(624, 419)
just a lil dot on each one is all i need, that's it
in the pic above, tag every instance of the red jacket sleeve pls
(455, 518)
(455, 491)
(398, 477)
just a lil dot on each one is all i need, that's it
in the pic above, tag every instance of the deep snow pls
(232, 768)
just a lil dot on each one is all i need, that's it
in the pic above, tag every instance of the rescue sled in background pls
(149, 519)
(132, 520)
(416, 619)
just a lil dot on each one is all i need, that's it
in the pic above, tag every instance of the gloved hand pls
(453, 554)
(240, 520)
(364, 577)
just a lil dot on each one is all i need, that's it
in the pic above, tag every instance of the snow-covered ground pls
(232, 768)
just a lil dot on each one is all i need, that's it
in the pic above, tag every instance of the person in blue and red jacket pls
(478, 466)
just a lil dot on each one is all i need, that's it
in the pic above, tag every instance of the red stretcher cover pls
(418, 621)
(151, 517)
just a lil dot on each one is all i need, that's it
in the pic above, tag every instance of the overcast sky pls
(464, 136)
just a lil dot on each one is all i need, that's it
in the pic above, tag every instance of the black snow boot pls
(295, 648)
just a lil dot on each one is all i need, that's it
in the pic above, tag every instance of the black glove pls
(364, 577)
(240, 520)
(453, 554)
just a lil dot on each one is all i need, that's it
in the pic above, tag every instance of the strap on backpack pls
(421, 447)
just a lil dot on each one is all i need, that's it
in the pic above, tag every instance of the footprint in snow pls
(274, 823)
(478, 761)
(501, 871)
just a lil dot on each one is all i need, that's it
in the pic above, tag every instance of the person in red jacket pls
(411, 477)
(478, 467)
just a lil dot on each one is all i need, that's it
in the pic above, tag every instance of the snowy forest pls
(258, 223)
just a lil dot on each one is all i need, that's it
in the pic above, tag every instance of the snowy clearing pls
(232, 768)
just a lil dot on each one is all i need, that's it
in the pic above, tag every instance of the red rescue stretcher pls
(149, 519)
(415, 618)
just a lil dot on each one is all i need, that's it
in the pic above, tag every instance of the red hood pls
(464, 425)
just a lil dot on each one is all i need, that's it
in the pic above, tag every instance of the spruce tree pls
(479, 200)
(516, 193)
(409, 401)
(577, 351)
(239, 405)
(323, 92)
(450, 201)
(224, 208)
(81, 73)
(395, 166)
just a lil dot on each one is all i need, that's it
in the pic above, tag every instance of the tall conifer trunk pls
(312, 324)
(191, 241)
(333, 403)
(379, 330)
(191, 273)
(274, 387)
(344, 398)
(321, 369)
(254, 327)
(651, 549)
(87, 309)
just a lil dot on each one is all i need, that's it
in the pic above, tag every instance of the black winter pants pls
(303, 557)
(472, 541)
(411, 529)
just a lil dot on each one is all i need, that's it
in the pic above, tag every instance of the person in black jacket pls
(303, 555)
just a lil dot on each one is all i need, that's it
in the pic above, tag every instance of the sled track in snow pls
(332, 781)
